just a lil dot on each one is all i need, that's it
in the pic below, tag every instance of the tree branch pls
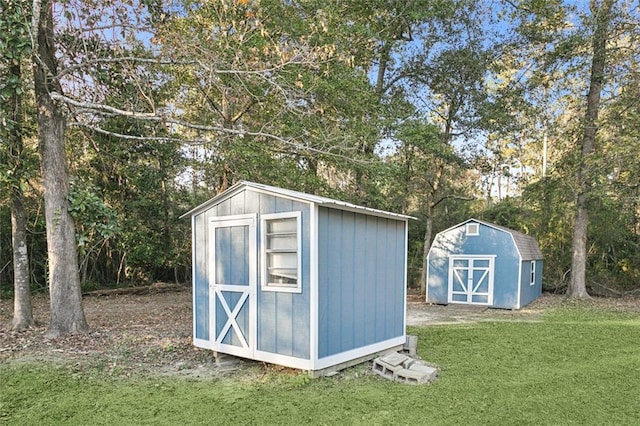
(454, 197)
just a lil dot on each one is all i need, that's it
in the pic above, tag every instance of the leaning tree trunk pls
(577, 287)
(67, 314)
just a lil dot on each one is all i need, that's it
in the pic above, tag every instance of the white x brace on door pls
(471, 279)
(233, 281)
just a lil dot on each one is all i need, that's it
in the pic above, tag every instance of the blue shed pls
(480, 263)
(296, 279)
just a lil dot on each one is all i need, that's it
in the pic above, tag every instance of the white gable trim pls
(296, 196)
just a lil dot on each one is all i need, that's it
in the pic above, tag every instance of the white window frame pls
(532, 274)
(473, 229)
(265, 285)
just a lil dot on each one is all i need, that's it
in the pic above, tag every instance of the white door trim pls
(471, 287)
(248, 292)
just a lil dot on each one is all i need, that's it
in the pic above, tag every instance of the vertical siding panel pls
(390, 283)
(237, 203)
(380, 272)
(251, 202)
(400, 285)
(389, 278)
(302, 321)
(267, 203)
(224, 208)
(284, 324)
(370, 297)
(359, 280)
(266, 322)
(323, 280)
(346, 295)
(334, 282)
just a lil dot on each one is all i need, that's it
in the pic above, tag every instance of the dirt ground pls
(151, 333)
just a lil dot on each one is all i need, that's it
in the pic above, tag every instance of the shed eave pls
(212, 201)
(300, 196)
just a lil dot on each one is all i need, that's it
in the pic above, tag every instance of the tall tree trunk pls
(67, 314)
(22, 311)
(602, 13)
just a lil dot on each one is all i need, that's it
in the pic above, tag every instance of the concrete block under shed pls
(411, 345)
(403, 368)
(412, 376)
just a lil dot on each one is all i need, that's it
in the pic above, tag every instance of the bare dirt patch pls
(148, 333)
(151, 333)
(421, 314)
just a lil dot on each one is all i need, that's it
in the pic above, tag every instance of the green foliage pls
(576, 366)
(411, 107)
(96, 220)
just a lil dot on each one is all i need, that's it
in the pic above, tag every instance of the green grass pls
(578, 366)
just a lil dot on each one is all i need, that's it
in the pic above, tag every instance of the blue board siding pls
(528, 292)
(360, 280)
(283, 318)
(508, 279)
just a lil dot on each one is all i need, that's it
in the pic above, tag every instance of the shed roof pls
(300, 196)
(526, 244)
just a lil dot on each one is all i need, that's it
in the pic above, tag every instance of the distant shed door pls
(233, 283)
(471, 279)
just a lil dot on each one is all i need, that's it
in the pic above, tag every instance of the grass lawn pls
(577, 366)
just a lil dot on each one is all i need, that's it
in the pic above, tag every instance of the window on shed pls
(473, 229)
(532, 280)
(281, 249)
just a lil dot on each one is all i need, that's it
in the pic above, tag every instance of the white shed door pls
(471, 279)
(233, 281)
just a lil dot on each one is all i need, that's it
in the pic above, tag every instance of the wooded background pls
(126, 114)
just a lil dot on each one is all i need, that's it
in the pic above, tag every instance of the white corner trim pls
(193, 274)
(405, 266)
(313, 285)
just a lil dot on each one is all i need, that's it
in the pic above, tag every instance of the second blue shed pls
(296, 279)
(480, 263)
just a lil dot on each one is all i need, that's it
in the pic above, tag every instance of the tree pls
(601, 12)
(14, 46)
(67, 313)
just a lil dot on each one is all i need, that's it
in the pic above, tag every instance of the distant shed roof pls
(526, 244)
(323, 201)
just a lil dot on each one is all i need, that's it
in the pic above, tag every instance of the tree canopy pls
(439, 109)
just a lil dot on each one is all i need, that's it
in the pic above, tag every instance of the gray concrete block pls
(403, 368)
(393, 359)
(424, 369)
(411, 376)
(385, 369)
